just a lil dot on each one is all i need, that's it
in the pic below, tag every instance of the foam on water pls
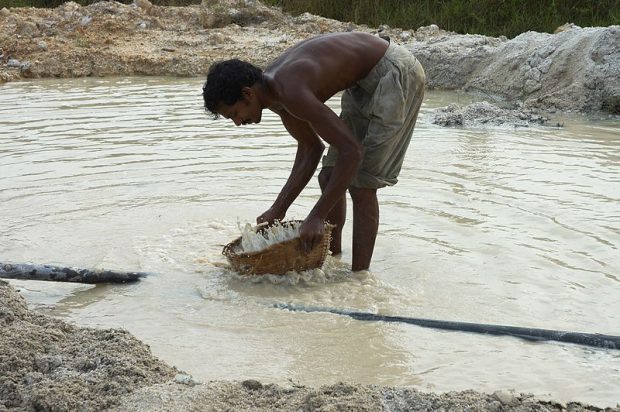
(257, 238)
(333, 271)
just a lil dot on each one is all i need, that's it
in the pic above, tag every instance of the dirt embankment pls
(574, 69)
(110, 38)
(48, 364)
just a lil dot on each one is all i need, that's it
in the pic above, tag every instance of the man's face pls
(245, 111)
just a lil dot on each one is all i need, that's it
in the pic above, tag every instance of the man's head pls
(229, 91)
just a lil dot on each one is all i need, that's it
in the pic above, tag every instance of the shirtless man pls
(383, 88)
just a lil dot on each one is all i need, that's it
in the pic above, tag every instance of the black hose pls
(531, 334)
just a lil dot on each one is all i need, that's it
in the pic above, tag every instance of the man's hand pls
(311, 233)
(270, 216)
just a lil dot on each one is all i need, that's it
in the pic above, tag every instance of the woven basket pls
(278, 258)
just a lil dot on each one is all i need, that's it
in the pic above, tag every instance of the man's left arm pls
(309, 151)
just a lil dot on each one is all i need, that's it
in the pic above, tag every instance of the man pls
(383, 88)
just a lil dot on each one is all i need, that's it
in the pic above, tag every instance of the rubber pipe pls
(531, 334)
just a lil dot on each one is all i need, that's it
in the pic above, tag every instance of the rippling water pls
(496, 225)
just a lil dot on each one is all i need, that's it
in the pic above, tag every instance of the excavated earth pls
(575, 69)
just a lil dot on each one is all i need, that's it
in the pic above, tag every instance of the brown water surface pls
(491, 225)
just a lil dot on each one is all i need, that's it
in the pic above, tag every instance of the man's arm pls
(309, 151)
(334, 131)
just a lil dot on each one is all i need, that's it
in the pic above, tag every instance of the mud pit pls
(48, 364)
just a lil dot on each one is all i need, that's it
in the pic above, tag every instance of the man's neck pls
(266, 94)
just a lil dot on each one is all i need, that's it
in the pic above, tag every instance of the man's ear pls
(247, 93)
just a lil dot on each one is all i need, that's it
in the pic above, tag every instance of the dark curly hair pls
(225, 81)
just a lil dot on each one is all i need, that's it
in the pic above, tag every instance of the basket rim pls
(229, 248)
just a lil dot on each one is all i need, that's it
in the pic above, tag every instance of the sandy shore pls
(48, 364)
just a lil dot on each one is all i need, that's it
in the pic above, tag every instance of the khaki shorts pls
(381, 111)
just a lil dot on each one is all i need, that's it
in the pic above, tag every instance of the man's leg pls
(337, 215)
(365, 226)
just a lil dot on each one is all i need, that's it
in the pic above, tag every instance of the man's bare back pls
(327, 64)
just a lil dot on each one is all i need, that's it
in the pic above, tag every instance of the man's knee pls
(362, 195)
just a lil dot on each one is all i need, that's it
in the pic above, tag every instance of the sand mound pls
(574, 69)
(253, 396)
(48, 364)
(481, 114)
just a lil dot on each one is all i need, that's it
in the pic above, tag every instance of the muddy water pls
(497, 225)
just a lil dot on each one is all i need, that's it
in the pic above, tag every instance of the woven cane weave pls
(279, 258)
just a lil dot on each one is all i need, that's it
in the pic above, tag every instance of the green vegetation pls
(56, 3)
(490, 17)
